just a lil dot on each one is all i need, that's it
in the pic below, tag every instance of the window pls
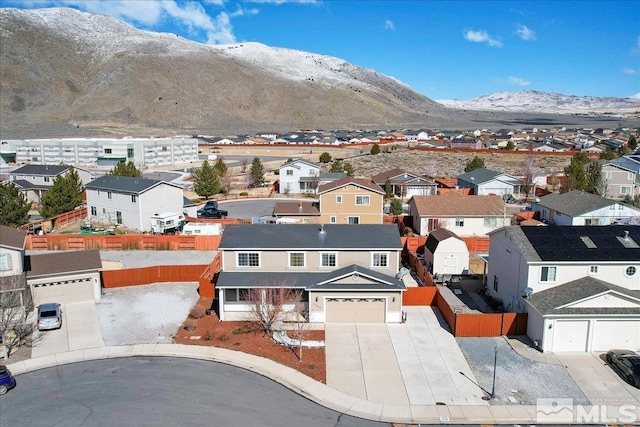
(630, 271)
(289, 172)
(129, 152)
(548, 274)
(362, 200)
(94, 211)
(134, 198)
(119, 217)
(332, 219)
(4, 262)
(379, 259)
(591, 221)
(109, 195)
(459, 222)
(47, 179)
(607, 175)
(625, 190)
(297, 259)
(338, 199)
(235, 295)
(164, 148)
(593, 270)
(612, 207)
(328, 259)
(353, 220)
(107, 151)
(495, 283)
(629, 176)
(248, 259)
(491, 222)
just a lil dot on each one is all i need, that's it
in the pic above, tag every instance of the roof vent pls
(322, 229)
(626, 235)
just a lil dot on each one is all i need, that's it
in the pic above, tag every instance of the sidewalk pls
(305, 386)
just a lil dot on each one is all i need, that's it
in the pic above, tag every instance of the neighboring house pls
(485, 181)
(416, 135)
(346, 273)
(64, 277)
(296, 212)
(12, 277)
(405, 184)
(351, 201)
(434, 143)
(580, 285)
(446, 253)
(35, 180)
(579, 208)
(622, 176)
(464, 215)
(131, 202)
(299, 176)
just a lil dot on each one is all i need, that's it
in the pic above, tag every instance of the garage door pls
(608, 334)
(570, 335)
(63, 292)
(355, 310)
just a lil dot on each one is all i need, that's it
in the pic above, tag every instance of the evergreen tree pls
(220, 167)
(387, 188)
(125, 169)
(584, 174)
(595, 179)
(511, 145)
(205, 181)
(14, 206)
(256, 172)
(222, 172)
(325, 157)
(633, 143)
(607, 154)
(63, 196)
(396, 206)
(375, 149)
(473, 164)
(340, 166)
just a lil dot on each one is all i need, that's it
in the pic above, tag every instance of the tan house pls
(346, 273)
(622, 178)
(351, 201)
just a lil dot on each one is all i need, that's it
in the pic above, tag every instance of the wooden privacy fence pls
(420, 270)
(474, 244)
(490, 325)
(208, 277)
(153, 274)
(122, 242)
(422, 295)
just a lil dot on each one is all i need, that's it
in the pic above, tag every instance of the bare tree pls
(300, 314)
(244, 164)
(14, 304)
(528, 172)
(267, 306)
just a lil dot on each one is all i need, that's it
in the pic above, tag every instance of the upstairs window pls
(548, 274)
(289, 172)
(297, 259)
(248, 259)
(459, 222)
(379, 259)
(338, 199)
(134, 198)
(362, 200)
(328, 259)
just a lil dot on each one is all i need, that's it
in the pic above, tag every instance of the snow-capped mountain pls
(546, 102)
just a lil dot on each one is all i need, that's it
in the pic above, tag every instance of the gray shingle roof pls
(28, 185)
(546, 301)
(479, 175)
(44, 170)
(12, 237)
(574, 203)
(309, 236)
(62, 262)
(517, 236)
(124, 184)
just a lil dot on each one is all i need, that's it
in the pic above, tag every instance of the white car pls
(49, 316)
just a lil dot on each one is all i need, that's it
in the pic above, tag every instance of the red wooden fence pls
(422, 295)
(208, 276)
(153, 274)
(122, 242)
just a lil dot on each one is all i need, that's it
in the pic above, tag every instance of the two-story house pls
(351, 201)
(345, 272)
(466, 216)
(579, 208)
(622, 176)
(35, 180)
(131, 202)
(13, 285)
(299, 176)
(580, 285)
(405, 184)
(485, 181)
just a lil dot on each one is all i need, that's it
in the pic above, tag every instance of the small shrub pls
(189, 326)
(208, 336)
(237, 331)
(223, 337)
(244, 193)
(196, 313)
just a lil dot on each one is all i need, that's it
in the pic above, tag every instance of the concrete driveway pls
(600, 383)
(80, 329)
(416, 363)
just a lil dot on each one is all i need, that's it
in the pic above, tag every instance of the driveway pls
(80, 329)
(417, 362)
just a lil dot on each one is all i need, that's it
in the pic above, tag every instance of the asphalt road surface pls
(249, 208)
(159, 391)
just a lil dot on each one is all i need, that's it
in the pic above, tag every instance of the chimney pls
(626, 235)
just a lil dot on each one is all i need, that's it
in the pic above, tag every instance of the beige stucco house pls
(346, 273)
(351, 201)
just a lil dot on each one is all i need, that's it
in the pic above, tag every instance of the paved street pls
(417, 363)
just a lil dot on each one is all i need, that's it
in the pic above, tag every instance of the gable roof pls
(456, 204)
(125, 184)
(574, 203)
(482, 175)
(295, 208)
(12, 237)
(437, 236)
(311, 236)
(62, 262)
(44, 170)
(393, 173)
(554, 300)
(362, 183)
(306, 162)
(584, 242)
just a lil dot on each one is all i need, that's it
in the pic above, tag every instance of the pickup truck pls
(210, 212)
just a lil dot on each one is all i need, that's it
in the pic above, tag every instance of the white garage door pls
(570, 335)
(63, 292)
(608, 334)
(355, 310)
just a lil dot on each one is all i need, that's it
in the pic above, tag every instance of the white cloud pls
(630, 71)
(481, 37)
(389, 25)
(517, 81)
(223, 33)
(636, 96)
(525, 33)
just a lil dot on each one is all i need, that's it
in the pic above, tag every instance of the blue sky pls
(442, 49)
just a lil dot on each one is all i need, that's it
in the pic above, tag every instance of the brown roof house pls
(296, 212)
(406, 184)
(466, 216)
(351, 201)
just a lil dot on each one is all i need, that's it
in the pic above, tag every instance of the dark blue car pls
(7, 381)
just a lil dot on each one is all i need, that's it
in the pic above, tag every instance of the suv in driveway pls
(49, 316)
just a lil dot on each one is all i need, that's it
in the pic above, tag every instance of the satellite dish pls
(527, 291)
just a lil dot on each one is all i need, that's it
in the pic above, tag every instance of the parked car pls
(49, 316)
(212, 213)
(627, 363)
(7, 381)
(211, 204)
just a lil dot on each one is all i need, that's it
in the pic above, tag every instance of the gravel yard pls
(516, 376)
(146, 313)
(135, 259)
